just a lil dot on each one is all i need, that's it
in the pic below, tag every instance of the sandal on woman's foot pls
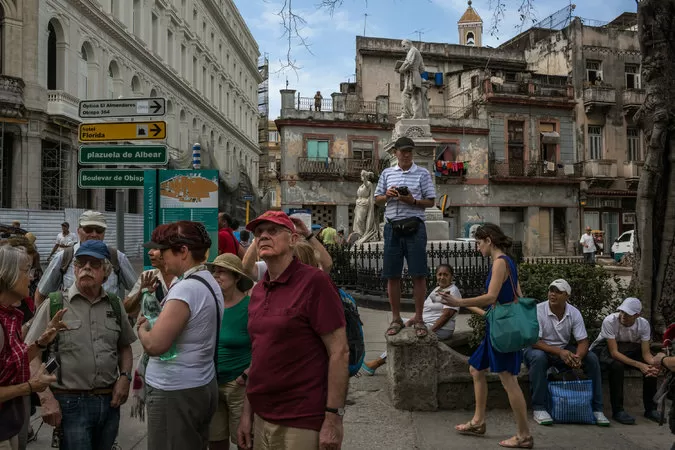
(421, 330)
(395, 327)
(516, 442)
(471, 429)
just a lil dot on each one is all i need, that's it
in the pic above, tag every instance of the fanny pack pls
(405, 227)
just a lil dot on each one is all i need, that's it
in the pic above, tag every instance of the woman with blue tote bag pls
(494, 243)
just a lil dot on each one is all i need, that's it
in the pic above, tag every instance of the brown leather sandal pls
(471, 429)
(527, 442)
(395, 327)
(421, 330)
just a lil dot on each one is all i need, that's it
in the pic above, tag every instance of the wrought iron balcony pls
(61, 103)
(324, 168)
(354, 166)
(11, 96)
(504, 169)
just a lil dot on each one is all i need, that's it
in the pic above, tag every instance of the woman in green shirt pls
(234, 350)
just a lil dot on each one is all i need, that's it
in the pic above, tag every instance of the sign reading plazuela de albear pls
(146, 155)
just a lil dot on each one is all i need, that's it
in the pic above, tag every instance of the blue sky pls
(332, 39)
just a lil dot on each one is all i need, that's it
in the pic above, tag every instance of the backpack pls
(69, 253)
(354, 327)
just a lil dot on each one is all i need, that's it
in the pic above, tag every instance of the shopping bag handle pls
(508, 271)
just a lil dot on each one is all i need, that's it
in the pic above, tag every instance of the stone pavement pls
(371, 423)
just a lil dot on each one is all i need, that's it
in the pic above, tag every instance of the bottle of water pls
(150, 308)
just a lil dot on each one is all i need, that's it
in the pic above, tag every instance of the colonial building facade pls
(198, 54)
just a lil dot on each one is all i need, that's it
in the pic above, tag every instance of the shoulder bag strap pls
(508, 272)
(215, 299)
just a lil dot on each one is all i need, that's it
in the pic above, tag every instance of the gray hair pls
(12, 262)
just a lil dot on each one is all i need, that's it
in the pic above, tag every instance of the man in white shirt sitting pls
(558, 323)
(624, 342)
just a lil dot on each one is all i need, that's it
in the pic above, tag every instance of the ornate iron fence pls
(359, 268)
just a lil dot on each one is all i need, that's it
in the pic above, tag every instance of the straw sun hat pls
(232, 263)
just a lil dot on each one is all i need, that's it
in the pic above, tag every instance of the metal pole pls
(119, 194)
(248, 209)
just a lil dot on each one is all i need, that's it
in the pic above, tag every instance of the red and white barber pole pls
(196, 156)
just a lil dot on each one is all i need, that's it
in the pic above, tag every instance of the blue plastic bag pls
(571, 401)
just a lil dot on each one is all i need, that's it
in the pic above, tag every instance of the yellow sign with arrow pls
(122, 131)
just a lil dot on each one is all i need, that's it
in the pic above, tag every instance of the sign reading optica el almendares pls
(142, 155)
(123, 107)
(110, 178)
(182, 195)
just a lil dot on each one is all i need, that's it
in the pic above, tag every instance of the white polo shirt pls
(612, 329)
(558, 333)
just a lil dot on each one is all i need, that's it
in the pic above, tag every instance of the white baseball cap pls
(92, 218)
(631, 306)
(561, 285)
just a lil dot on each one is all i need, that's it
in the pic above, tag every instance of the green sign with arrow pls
(111, 178)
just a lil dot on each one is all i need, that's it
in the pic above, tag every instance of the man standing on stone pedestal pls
(407, 190)
(412, 98)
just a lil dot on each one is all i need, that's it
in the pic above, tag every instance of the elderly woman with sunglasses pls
(182, 392)
(15, 356)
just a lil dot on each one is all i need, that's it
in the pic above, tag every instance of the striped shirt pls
(419, 182)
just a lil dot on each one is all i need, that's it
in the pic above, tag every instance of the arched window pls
(135, 85)
(153, 92)
(470, 38)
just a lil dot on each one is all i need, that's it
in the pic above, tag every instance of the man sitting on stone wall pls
(558, 323)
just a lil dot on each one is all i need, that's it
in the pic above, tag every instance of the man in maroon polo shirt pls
(298, 378)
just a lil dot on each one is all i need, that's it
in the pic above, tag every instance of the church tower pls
(470, 28)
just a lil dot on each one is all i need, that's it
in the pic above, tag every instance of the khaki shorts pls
(268, 436)
(12, 444)
(226, 419)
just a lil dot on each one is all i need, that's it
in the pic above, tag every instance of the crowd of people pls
(252, 348)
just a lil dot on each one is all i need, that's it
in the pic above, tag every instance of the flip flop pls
(421, 330)
(395, 327)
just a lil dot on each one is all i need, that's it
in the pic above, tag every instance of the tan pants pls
(268, 436)
(12, 444)
(225, 421)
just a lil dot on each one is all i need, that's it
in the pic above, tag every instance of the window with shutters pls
(595, 142)
(633, 144)
(317, 149)
(633, 76)
(594, 71)
(362, 150)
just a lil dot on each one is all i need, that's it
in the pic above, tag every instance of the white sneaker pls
(600, 419)
(542, 418)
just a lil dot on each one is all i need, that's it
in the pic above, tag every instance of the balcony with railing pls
(324, 168)
(598, 172)
(531, 171)
(11, 96)
(61, 103)
(633, 98)
(599, 96)
(354, 166)
(532, 91)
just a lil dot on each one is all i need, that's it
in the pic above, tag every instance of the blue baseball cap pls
(94, 248)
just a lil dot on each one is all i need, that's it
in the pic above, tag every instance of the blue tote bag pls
(571, 401)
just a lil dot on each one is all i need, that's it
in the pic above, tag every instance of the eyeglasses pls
(271, 231)
(93, 263)
(93, 229)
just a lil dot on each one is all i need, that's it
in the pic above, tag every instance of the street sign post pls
(247, 198)
(139, 155)
(110, 179)
(122, 131)
(123, 107)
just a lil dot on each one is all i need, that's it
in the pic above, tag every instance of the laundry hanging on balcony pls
(445, 168)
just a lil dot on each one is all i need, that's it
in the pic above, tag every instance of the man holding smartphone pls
(406, 190)
(94, 354)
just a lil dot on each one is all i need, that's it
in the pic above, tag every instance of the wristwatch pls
(125, 374)
(338, 411)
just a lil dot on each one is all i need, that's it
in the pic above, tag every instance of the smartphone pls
(52, 365)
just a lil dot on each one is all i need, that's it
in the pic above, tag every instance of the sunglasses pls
(272, 231)
(93, 229)
(93, 263)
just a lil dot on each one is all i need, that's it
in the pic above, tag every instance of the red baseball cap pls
(278, 217)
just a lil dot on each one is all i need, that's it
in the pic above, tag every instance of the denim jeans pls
(538, 362)
(88, 421)
(411, 248)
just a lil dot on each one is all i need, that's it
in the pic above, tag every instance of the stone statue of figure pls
(413, 97)
(365, 221)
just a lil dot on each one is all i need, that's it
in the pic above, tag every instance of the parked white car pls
(623, 244)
